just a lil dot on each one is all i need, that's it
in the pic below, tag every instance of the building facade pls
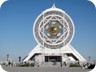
(54, 30)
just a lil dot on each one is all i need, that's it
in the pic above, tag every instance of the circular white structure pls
(53, 28)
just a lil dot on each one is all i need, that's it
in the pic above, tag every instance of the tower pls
(54, 30)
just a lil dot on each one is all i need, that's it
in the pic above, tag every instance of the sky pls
(17, 19)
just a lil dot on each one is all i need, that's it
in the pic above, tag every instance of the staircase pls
(50, 64)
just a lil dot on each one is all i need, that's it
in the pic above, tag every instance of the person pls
(64, 63)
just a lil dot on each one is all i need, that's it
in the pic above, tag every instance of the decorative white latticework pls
(53, 28)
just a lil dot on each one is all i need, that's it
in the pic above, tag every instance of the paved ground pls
(44, 69)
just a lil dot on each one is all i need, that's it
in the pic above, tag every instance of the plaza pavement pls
(44, 69)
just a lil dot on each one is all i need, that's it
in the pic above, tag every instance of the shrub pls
(74, 65)
(25, 65)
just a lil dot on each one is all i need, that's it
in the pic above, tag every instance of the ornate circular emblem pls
(53, 28)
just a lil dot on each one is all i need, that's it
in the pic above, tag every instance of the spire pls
(53, 5)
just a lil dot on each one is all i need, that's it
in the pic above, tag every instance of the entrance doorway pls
(53, 59)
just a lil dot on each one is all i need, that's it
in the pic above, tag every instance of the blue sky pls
(16, 26)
